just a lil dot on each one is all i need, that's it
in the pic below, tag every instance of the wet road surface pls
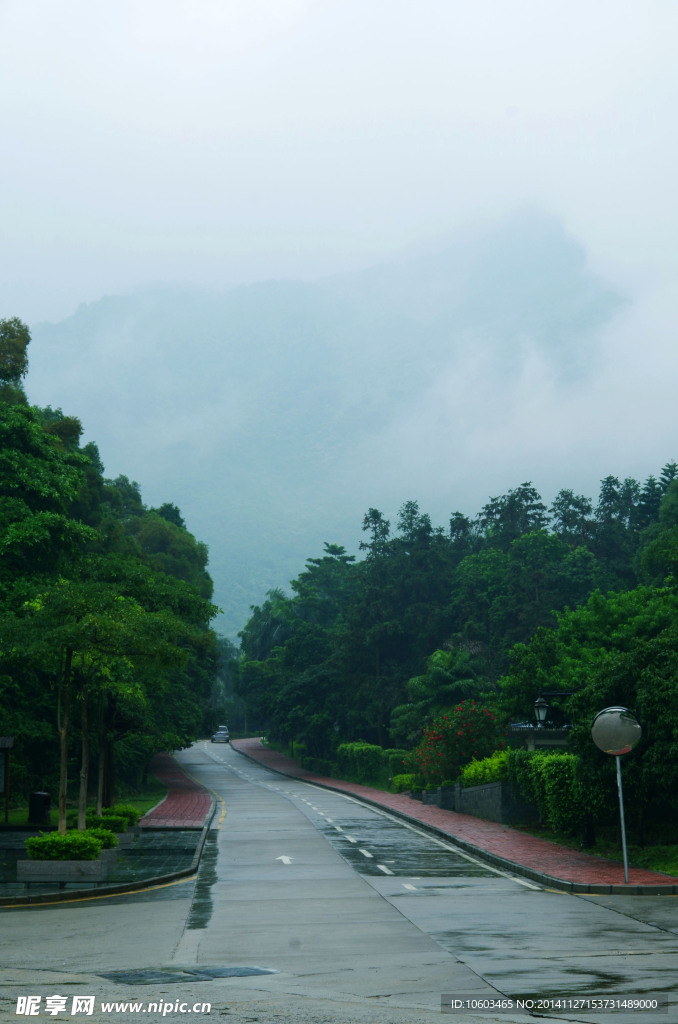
(352, 915)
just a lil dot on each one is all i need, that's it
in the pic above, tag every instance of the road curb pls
(513, 867)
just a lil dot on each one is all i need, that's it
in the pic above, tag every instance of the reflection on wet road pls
(514, 935)
(352, 915)
(402, 851)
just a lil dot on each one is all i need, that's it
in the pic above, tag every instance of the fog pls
(176, 149)
(222, 141)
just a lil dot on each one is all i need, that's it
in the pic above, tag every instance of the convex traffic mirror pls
(616, 731)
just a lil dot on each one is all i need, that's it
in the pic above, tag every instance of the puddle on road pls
(202, 905)
(181, 975)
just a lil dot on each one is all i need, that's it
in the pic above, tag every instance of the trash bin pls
(38, 808)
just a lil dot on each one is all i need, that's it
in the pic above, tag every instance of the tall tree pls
(14, 340)
(511, 515)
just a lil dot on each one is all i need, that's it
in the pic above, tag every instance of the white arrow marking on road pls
(285, 859)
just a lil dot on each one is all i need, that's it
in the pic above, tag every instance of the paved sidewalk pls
(539, 859)
(186, 805)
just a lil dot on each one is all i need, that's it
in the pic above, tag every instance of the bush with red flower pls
(470, 730)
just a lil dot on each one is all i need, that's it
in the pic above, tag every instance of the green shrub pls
(108, 839)
(319, 766)
(113, 822)
(361, 761)
(564, 809)
(394, 758)
(551, 781)
(490, 769)
(468, 731)
(520, 773)
(73, 845)
(401, 783)
(299, 750)
(127, 811)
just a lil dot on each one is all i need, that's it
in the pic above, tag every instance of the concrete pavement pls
(188, 806)
(534, 858)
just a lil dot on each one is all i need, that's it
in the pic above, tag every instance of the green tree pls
(89, 629)
(14, 340)
(38, 483)
(512, 515)
(452, 675)
(618, 649)
(571, 516)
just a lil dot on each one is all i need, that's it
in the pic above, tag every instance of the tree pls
(668, 474)
(649, 502)
(452, 675)
(379, 529)
(508, 517)
(171, 549)
(87, 630)
(322, 588)
(38, 483)
(571, 517)
(14, 340)
(171, 513)
(657, 559)
(617, 649)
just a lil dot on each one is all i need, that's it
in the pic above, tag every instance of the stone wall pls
(493, 802)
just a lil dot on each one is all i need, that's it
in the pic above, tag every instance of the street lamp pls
(541, 710)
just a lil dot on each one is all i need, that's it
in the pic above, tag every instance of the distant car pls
(221, 735)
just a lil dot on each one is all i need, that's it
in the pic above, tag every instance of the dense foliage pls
(378, 649)
(106, 653)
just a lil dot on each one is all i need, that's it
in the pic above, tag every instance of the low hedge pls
(489, 769)
(299, 750)
(319, 766)
(401, 783)
(73, 845)
(113, 822)
(394, 758)
(127, 811)
(552, 781)
(107, 838)
(363, 761)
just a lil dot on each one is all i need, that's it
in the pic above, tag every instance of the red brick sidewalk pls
(186, 805)
(536, 858)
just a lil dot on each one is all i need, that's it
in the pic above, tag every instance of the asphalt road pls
(310, 907)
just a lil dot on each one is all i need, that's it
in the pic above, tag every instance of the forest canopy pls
(482, 609)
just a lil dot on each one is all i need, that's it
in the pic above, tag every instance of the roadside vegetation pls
(408, 663)
(577, 600)
(106, 650)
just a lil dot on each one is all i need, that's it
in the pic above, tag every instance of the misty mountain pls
(275, 414)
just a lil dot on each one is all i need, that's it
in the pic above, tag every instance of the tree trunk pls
(108, 794)
(84, 765)
(64, 713)
(102, 755)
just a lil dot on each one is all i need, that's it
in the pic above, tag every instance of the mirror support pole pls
(621, 816)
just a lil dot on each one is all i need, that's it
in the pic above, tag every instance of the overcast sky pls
(220, 141)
